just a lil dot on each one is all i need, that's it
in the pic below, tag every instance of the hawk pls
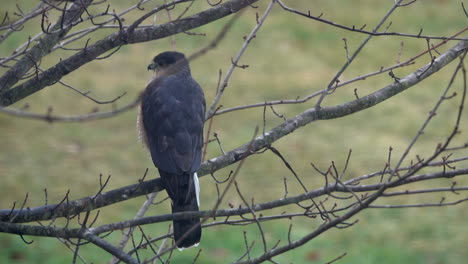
(170, 124)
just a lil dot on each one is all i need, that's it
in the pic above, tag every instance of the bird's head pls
(168, 61)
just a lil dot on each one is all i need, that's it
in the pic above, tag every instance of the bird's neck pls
(182, 70)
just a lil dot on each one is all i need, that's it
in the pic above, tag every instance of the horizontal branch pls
(278, 203)
(79, 232)
(71, 208)
(361, 30)
(136, 190)
(90, 203)
(72, 118)
(399, 206)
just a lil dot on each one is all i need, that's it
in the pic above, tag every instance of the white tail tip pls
(197, 188)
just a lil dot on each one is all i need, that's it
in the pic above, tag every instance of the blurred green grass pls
(290, 57)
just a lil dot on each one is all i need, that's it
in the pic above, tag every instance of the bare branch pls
(262, 141)
(44, 46)
(66, 66)
(235, 61)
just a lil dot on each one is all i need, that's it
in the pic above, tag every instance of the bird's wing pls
(173, 111)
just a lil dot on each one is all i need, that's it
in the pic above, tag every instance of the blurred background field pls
(290, 57)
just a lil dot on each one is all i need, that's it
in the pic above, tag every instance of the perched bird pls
(170, 124)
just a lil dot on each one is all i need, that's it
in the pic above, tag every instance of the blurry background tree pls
(74, 191)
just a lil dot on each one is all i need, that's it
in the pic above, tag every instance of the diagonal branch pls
(15, 25)
(223, 85)
(109, 248)
(66, 66)
(44, 46)
(350, 59)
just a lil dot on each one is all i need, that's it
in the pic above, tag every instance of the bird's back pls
(173, 109)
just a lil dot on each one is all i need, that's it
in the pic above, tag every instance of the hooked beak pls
(152, 66)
